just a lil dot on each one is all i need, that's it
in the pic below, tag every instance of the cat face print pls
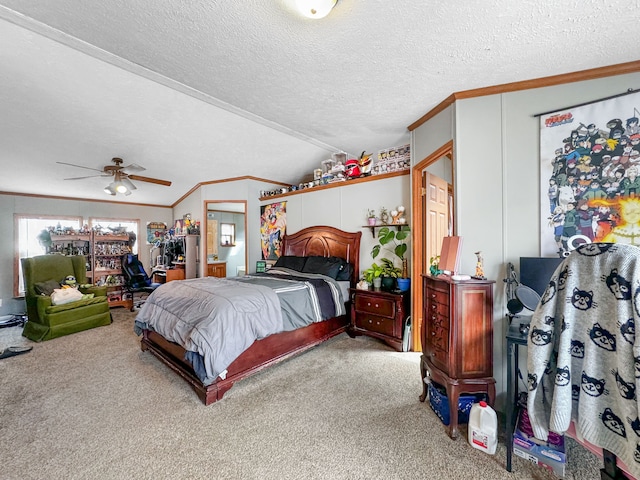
(562, 278)
(602, 338)
(593, 249)
(540, 337)
(628, 330)
(549, 292)
(582, 299)
(532, 381)
(563, 376)
(613, 422)
(618, 285)
(593, 387)
(577, 349)
(627, 389)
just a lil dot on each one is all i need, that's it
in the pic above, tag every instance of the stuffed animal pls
(69, 282)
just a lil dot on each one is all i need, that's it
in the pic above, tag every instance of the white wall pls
(17, 204)
(345, 207)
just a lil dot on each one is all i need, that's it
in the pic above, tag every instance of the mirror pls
(225, 259)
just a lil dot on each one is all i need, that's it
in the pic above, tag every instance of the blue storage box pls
(439, 403)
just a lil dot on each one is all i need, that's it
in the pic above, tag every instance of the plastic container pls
(483, 428)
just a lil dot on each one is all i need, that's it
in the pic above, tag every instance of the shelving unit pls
(77, 244)
(107, 257)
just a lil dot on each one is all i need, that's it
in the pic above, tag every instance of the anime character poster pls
(273, 222)
(590, 182)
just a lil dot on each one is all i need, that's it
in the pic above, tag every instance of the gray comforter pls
(217, 319)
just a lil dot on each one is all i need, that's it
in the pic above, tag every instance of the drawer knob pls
(368, 304)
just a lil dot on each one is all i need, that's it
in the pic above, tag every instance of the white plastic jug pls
(483, 428)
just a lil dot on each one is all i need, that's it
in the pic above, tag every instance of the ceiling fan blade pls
(79, 166)
(90, 176)
(150, 180)
(133, 168)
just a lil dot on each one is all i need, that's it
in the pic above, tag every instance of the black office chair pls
(137, 282)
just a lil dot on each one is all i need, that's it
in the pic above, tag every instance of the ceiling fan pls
(122, 176)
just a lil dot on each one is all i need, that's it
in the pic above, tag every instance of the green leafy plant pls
(371, 213)
(374, 271)
(389, 269)
(394, 242)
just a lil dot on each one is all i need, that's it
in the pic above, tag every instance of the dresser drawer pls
(434, 308)
(375, 323)
(438, 296)
(378, 306)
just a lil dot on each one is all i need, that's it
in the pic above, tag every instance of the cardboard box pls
(550, 454)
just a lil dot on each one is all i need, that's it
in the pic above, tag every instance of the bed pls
(317, 241)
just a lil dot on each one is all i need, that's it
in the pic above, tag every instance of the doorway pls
(224, 238)
(433, 219)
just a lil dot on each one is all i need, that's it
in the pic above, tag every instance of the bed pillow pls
(291, 262)
(345, 272)
(328, 266)
(46, 288)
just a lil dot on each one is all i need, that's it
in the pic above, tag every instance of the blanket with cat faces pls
(583, 357)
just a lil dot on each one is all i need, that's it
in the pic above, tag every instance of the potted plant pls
(390, 274)
(394, 241)
(371, 217)
(372, 275)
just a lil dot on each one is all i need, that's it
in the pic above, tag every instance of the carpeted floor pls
(93, 406)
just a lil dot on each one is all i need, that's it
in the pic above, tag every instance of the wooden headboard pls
(327, 242)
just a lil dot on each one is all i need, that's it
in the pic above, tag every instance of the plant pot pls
(388, 283)
(377, 282)
(404, 284)
(372, 221)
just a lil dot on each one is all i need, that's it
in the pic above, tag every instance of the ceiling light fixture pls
(315, 8)
(121, 184)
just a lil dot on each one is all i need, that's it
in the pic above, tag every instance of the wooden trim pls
(224, 180)
(572, 77)
(74, 199)
(204, 233)
(418, 239)
(339, 184)
(16, 247)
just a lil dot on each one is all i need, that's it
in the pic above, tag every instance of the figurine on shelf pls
(384, 216)
(397, 216)
(479, 267)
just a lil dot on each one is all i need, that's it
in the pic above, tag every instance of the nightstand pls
(379, 314)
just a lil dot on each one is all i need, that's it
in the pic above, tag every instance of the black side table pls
(515, 339)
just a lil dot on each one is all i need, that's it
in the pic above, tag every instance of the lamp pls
(110, 189)
(315, 8)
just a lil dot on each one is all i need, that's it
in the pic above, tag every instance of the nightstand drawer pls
(374, 323)
(375, 305)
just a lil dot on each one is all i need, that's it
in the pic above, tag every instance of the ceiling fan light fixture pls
(128, 183)
(315, 8)
(110, 189)
(121, 188)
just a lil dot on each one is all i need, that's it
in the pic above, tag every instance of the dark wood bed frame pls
(320, 240)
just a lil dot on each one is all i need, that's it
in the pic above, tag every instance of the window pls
(32, 242)
(228, 234)
(115, 225)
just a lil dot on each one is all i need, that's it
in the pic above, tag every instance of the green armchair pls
(46, 321)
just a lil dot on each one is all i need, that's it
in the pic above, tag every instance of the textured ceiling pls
(204, 90)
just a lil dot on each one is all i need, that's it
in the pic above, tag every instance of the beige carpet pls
(93, 406)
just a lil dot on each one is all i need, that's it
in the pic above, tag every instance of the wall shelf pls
(339, 184)
(373, 227)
